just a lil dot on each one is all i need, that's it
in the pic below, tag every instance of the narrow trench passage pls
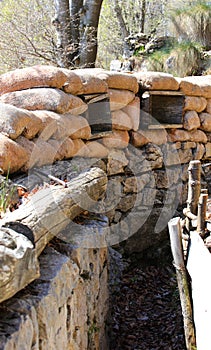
(146, 312)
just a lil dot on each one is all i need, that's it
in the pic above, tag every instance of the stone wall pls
(43, 122)
(65, 308)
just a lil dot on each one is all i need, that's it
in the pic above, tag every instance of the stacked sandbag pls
(43, 114)
(191, 139)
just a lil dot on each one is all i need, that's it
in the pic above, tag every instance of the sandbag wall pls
(43, 120)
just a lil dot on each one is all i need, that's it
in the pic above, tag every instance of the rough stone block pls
(117, 162)
(136, 184)
(205, 119)
(175, 135)
(198, 136)
(199, 151)
(154, 156)
(191, 120)
(207, 150)
(178, 135)
(177, 157)
(187, 145)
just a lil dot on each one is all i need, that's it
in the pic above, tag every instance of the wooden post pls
(194, 185)
(201, 217)
(176, 248)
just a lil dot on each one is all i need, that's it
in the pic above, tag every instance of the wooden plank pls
(165, 126)
(47, 213)
(199, 266)
(177, 252)
(165, 93)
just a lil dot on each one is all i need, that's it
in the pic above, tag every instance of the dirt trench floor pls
(146, 312)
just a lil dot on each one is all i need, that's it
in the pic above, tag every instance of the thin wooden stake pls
(194, 185)
(201, 218)
(176, 248)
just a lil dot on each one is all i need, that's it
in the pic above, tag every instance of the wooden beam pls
(25, 232)
(165, 92)
(165, 126)
(177, 252)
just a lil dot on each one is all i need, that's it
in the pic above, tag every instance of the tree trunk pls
(124, 31)
(76, 12)
(143, 15)
(90, 20)
(61, 22)
(76, 24)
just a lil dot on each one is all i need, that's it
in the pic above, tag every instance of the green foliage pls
(27, 36)
(6, 194)
(191, 21)
(177, 58)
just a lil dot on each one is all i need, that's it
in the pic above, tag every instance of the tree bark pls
(76, 24)
(124, 30)
(76, 13)
(61, 22)
(143, 15)
(90, 21)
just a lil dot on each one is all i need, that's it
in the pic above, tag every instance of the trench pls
(145, 308)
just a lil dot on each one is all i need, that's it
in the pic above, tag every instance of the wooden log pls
(201, 217)
(194, 185)
(18, 261)
(46, 214)
(176, 248)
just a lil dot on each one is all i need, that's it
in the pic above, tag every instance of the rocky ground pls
(146, 312)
